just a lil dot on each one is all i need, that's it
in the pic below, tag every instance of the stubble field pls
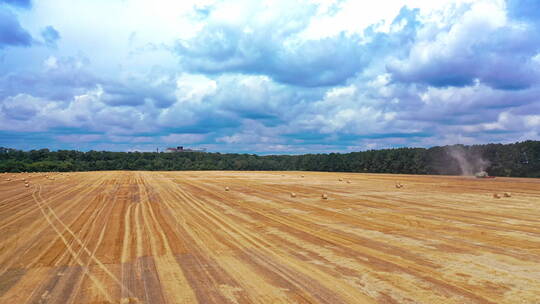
(181, 237)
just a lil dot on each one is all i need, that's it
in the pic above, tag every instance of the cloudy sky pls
(268, 76)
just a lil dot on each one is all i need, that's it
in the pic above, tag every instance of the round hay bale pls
(507, 194)
(302, 176)
(129, 300)
(341, 179)
(324, 196)
(27, 185)
(293, 194)
(495, 195)
(227, 189)
(348, 182)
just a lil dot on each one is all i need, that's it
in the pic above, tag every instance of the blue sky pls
(268, 76)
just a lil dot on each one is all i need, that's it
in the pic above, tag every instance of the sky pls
(268, 77)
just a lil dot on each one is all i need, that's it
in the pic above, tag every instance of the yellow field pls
(180, 237)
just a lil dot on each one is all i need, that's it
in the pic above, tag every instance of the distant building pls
(182, 149)
(177, 149)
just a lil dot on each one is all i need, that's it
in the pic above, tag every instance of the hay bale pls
(507, 194)
(293, 194)
(341, 179)
(495, 195)
(302, 176)
(227, 189)
(27, 185)
(129, 300)
(324, 196)
(348, 182)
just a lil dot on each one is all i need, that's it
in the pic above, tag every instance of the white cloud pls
(51, 63)
(353, 17)
(86, 111)
(482, 19)
(341, 92)
(194, 88)
(270, 74)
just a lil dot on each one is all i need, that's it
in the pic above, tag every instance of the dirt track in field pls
(180, 237)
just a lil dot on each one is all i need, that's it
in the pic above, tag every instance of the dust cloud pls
(469, 163)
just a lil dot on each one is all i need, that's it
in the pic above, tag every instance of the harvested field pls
(179, 237)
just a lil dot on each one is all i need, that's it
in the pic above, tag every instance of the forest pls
(521, 159)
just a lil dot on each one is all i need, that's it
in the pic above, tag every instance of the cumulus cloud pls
(86, 112)
(480, 44)
(280, 76)
(11, 32)
(265, 39)
(194, 88)
(55, 78)
(50, 36)
(21, 107)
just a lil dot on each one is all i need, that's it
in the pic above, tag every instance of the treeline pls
(519, 159)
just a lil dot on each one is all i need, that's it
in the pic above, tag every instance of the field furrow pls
(243, 237)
